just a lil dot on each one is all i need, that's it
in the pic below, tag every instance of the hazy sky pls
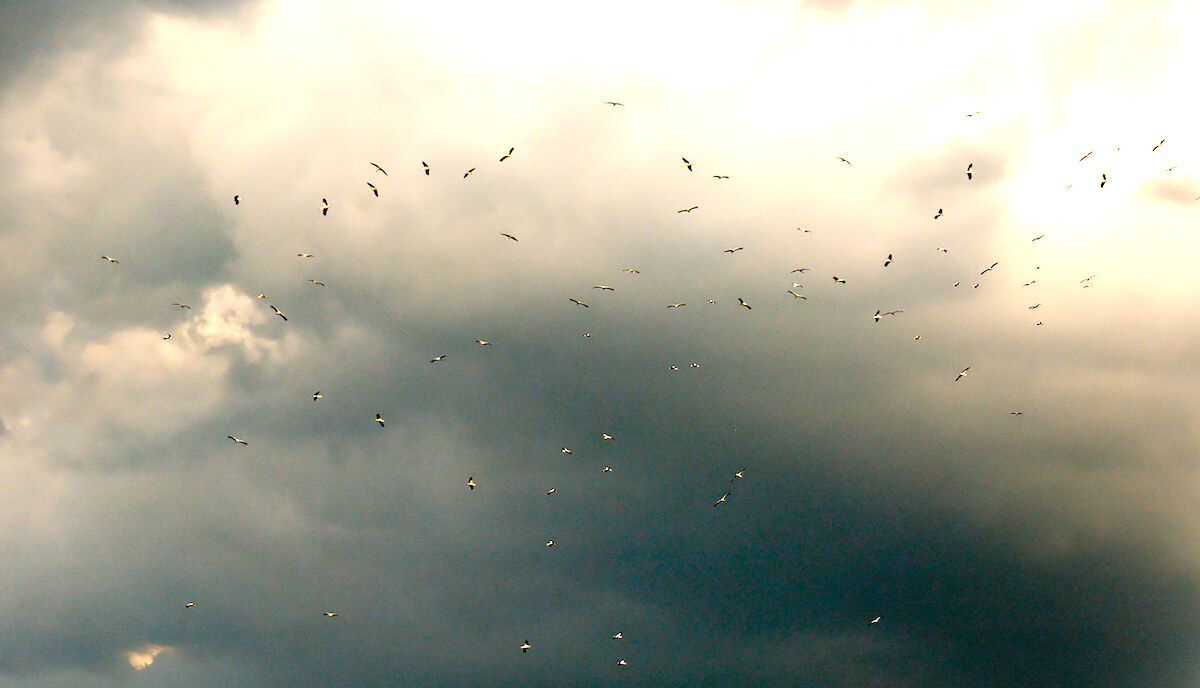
(1058, 547)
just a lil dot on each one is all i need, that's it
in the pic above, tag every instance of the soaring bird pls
(939, 214)
(304, 255)
(439, 357)
(262, 295)
(892, 312)
(722, 499)
(989, 268)
(969, 176)
(614, 103)
(676, 305)
(182, 305)
(551, 490)
(483, 342)
(1085, 157)
(602, 287)
(189, 605)
(607, 469)
(1103, 179)
(237, 199)
(109, 259)
(167, 336)
(802, 270)
(1038, 237)
(687, 164)
(468, 173)
(324, 207)
(577, 302)
(887, 261)
(565, 450)
(1034, 306)
(379, 168)
(471, 482)
(838, 280)
(237, 440)
(803, 230)
(329, 615)
(425, 166)
(279, 313)
(379, 419)
(1159, 145)
(877, 317)
(605, 436)
(844, 160)
(374, 189)
(962, 374)
(720, 176)
(509, 236)
(797, 296)
(875, 620)
(507, 155)
(686, 210)
(738, 475)
(1015, 413)
(316, 283)
(551, 543)
(631, 271)
(622, 662)
(742, 303)
(942, 250)
(316, 395)
(525, 646)
(618, 636)
(734, 250)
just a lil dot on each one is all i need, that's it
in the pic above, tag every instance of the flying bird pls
(316, 283)
(507, 155)
(844, 160)
(439, 357)
(618, 636)
(551, 543)
(939, 214)
(943, 250)
(189, 605)
(1085, 157)
(742, 303)
(1159, 145)
(969, 175)
(605, 436)
(525, 646)
(508, 236)
(892, 312)
(468, 173)
(686, 210)
(722, 499)
(801, 270)
(329, 615)
(877, 317)
(471, 482)
(888, 261)
(374, 189)
(614, 103)
(962, 374)
(734, 250)
(797, 296)
(279, 313)
(622, 662)
(379, 419)
(316, 395)
(607, 469)
(738, 475)
(1038, 237)
(1087, 279)
(720, 176)
(565, 450)
(1015, 413)
(577, 302)
(425, 166)
(875, 620)
(676, 305)
(687, 164)
(838, 280)
(803, 230)
(989, 268)
(304, 255)
(237, 199)
(631, 271)
(602, 287)
(262, 295)
(182, 305)
(551, 490)
(1036, 305)
(1103, 179)
(109, 259)
(167, 336)
(483, 342)
(324, 207)
(379, 168)
(237, 440)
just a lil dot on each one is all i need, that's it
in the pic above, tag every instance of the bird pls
(182, 305)
(279, 313)
(109, 259)
(1175, 167)
(989, 268)
(711, 301)
(738, 475)
(304, 255)
(565, 450)
(329, 615)
(917, 338)
(1087, 279)
(237, 199)
(379, 168)
(587, 335)
(676, 305)
(797, 285)
(509, 236)
(468, 173)
(237, 440)
(551, 543)
(374, 189)
(942, 250)
(602, 287)
(618, 636)
(166, 336)
(379, 419)
(1038, 237)
(892, 312)
(877, 317)
(1036, 305)
(439, 357)
(471, 482)
(734, 250)
(962, 374)
(876, 619)
(742, 303)
(720, 176)
(1086, 155)
(971, 114)
(577, 302)
(551, 490)
(507, 155)
(316, 395)
(969, 175)
(324, 207)
(801, 270)
(316, 283)
(1029, 283)
(425, 166)
(798, 296)
(262, 295)
(957, 283)
(887, 261)
(631, 271)
(525, 646)
(1015, 413)
(844, 160)
(1103, 179)
(1159, 145)
(622, 662)
(614, 103)
(607, 469)
(687, 164)
(483, 342)
(803, 230)
(838, 280)
(189, 605)
(939, 214)
(686, 210)
(605, 436)
(693, 364)
(722, 499)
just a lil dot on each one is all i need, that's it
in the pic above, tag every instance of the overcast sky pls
(1034, 522)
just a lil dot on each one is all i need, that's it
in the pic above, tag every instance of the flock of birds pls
(471, 484)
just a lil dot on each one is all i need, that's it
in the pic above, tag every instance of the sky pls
(895, 524)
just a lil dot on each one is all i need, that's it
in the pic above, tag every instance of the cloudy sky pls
(1057, 547)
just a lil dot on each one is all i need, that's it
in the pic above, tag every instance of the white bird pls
(509, 236)
(1160, 143)
(607, 469)
(877, 317)
(743, 303)
(565, 450)
(304, 255)
(551, 543)
(262, 295)
(621, 662)
(279, 313)
(630, 271)
(798, 296)
(577, 302)
(603, 287)
(471, 482)
(110, 259)
(838, 280)
(182, 305)
(962, 374)
(676, 305)
(439, 357)
(722, 499)
(605, 436)
(316, 283)
(738, 475)
(687, 164)
(1103, 179)
(189, 605)
(618, 636)
(943, 250)
(876, 619)
(551, 490)
(167, 336)
(483, 342)
(693, 364)
(324, 207)
(316, 395)
(379, 419)
(329, 615)
(525, 646)
(237, 440)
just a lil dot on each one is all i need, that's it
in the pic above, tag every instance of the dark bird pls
(379, 168)
(182, 305)
(989, 268)
(1038, 237)
(379, 419)
(687, 164)
(797, 296)
(687, 210)
(844, 160)
(276, 311)
(720, 176)
(109, 259)
(631, 271)
(1015, 413)
(1160, 143)
(316, 283)
(801, 270)
(1036, 305)
(722, 499)
(877, 317)
(237, 199)
(374, 189)
(167, 336)
(507, 155)
(468, 173)
(838, 280)
(969, 176)
(508, 236)
(425, 166)
(939, 214)
(614, 103)
(743, 303)
(577, 302)
(237, 440)
(962, 374)
(1103, 179)
(324, 207)
(734, 250)
(892, 312)
(1086, 156)
(316, 395)
(887, 261)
